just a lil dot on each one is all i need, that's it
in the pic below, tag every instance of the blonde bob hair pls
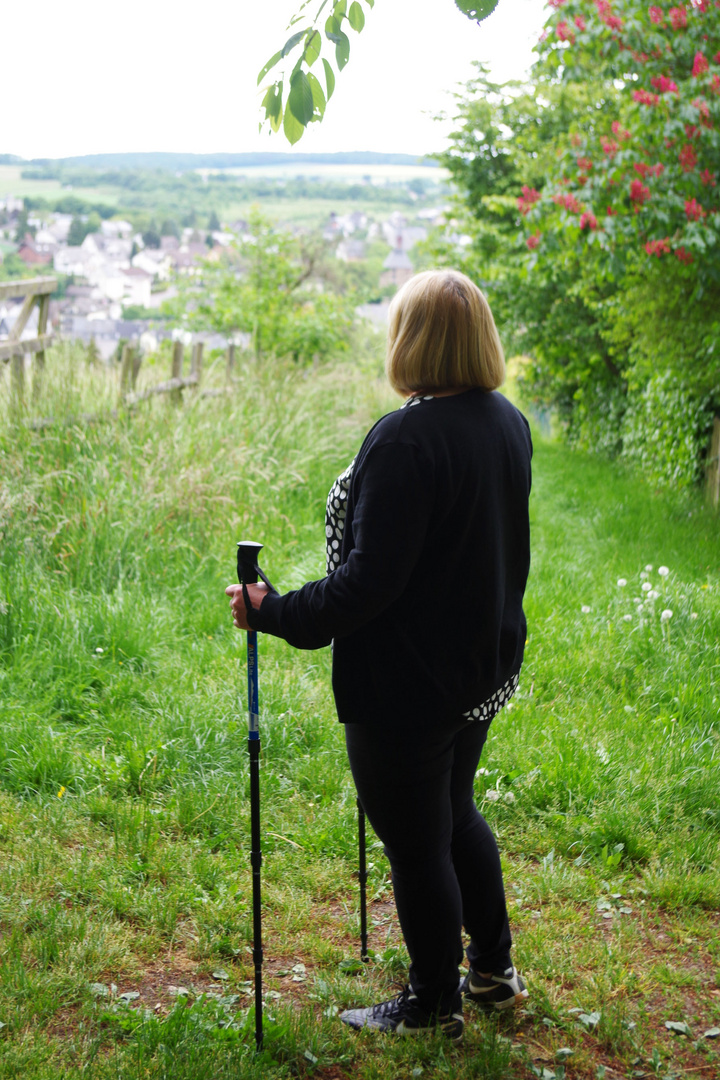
(442, 336)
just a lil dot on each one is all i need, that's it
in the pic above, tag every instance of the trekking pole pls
(248, 571)
(362, 877)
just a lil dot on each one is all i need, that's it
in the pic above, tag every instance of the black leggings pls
(417, 791)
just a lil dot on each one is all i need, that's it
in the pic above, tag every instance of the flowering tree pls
(643, 178)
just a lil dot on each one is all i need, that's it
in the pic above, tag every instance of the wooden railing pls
(36, 292)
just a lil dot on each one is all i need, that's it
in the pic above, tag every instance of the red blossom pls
(657, 170)
(663, 85)
(580, 23)
(691, 130)
(694, 210)
(533, 241)
(619, 130)
(678, 17)
(658, 247)
(610, 147)
(569, 202)
(702, 107)
(683, 255)
(656, 14)
(688, 158)
(707, 178)
(715, 85)
(576, 139)
(641, 168)
(604, 8)
(564, 32)
(639, 193)
(556, 3)
(585, 163)
(610, 212)
(639, 57)
(588, 221)
(615, 23)
(644, 97)
(528, 198)
(700, 65)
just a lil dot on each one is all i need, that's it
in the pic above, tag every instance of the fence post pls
(230, 361)
(39, 367)
(176, 371)
(136, 362)
(126, 370)
(18, 380)
(196, 360)
(712, 489)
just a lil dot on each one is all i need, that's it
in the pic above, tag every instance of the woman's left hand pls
(237, 603)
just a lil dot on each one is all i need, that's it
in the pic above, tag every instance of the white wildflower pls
(99, 650)
(648, 568)
(667, 614)
(628, 708)
(640, 607)
(482, 772)
(627, 618)
(643, 575)
(509, 797)
(622, 582)
(653, 594)
(492, 795)
(646, 586)
(663, 571)
(585, 609)
(637, 600)
(693, 614)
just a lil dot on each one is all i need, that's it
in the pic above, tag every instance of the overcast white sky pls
(179, 75)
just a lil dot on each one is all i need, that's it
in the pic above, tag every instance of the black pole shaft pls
(362, 877)
(256, 863)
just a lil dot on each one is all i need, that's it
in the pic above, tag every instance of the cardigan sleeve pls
(389, 524)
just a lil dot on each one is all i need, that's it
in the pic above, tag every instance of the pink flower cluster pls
(644, 97)
(533, 241)
(683, 255)
(658, 247)
(528, 199)
(585, 163)
(700, 65)
(688, 158)
(656, 14)
(664, 85)
(588, 221)
(564, 32)
(619, 130)
(569, 202)
(580, 23)
(694, 210)
(639, 193)
(610, 147)
(678, 18)
(707, 178)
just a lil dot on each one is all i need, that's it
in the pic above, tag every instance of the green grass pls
(124, 810)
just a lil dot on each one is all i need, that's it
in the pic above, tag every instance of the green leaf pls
(476, 9)
(340, 9)
(292, 42)
(293, 129)
(342, 51)
(678, 1026)
(300, 98)
(333, 30)
(270, 64)
(272, 103)
(329, 78)
(370, 3)
(356, 16)
(317, 96)
(312, 47)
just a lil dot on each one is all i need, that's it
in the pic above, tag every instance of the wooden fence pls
(712, 488)
(14, 350)
(36, 292)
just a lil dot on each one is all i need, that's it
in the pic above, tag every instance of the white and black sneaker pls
(403, 1015)
(503, 990)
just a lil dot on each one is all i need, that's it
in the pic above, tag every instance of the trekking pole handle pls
(248, 552)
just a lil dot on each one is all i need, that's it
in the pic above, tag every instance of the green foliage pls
(13, 267)
(80, 228)
(602, 307)
(298, 99)
(275, 289)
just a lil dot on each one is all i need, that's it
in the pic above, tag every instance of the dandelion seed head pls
(663, 571)
(628, 708)
(637, 600)
(653, 594)
(509, 797)
(585, 609)
(99, 650)
(492, 795)
(622, 582)
(648, 568)
(667, 614)
(693, 614)
(646, 586)
(643, 575)
(627, 618)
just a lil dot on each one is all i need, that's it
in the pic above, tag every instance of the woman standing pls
(428, 556)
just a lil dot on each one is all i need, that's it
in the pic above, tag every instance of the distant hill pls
(186, 162)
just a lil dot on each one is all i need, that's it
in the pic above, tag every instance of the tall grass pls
(123, 771)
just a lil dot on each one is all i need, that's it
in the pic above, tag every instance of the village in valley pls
(116, 281)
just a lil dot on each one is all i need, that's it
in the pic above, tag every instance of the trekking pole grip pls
(247, 561)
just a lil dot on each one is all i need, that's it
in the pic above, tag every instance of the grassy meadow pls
(125, 915)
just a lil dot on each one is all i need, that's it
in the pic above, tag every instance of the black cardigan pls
(425, 608)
